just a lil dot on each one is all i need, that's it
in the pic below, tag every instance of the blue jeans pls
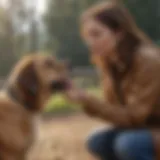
(117, 144)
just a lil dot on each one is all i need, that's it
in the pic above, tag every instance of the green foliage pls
(146, 14)
(59, 104)
(7, 57)
(14, 42)
(62, 21)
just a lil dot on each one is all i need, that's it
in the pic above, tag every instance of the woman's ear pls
(28, 80)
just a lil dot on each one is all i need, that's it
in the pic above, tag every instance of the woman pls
(129, 66)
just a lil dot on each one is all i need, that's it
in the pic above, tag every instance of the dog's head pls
(37, 75)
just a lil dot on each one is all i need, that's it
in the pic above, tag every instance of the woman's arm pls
(141, 99)
(98, 108)
(135, 113)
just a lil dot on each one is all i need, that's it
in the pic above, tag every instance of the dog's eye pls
(49, 63)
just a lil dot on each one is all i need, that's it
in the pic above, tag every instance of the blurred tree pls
(147, 16)
(17, 12)
(6, 43)
(18, 32)
(33, 31)
(63, 30)
(12, 36)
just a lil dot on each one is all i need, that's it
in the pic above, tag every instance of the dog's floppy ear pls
(28, 80)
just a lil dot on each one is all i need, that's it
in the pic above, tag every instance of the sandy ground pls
(64, 138)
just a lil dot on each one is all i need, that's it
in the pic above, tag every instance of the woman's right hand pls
(75, 94)
(81, 97)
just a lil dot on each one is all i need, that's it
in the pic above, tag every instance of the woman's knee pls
(124, 144)
(134, 145)
(100, 140)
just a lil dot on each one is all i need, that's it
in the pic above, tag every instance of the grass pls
(59, 104)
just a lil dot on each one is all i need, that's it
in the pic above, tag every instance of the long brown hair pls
(117, 18)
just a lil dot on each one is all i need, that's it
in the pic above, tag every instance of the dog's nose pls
(59, 85)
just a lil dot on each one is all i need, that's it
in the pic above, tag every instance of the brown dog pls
(29, 86)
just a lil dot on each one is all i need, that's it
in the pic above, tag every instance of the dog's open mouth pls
(60, 85)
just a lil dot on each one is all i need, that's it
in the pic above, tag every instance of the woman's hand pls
(76, 95)
(81, 97)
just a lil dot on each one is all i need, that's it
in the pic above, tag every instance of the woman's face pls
(98, 37)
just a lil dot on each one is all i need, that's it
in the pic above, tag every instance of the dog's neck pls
(30, 102)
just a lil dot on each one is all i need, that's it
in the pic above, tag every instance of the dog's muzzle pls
(59, 85)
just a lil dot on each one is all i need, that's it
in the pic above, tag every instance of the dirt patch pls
(64, 138)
